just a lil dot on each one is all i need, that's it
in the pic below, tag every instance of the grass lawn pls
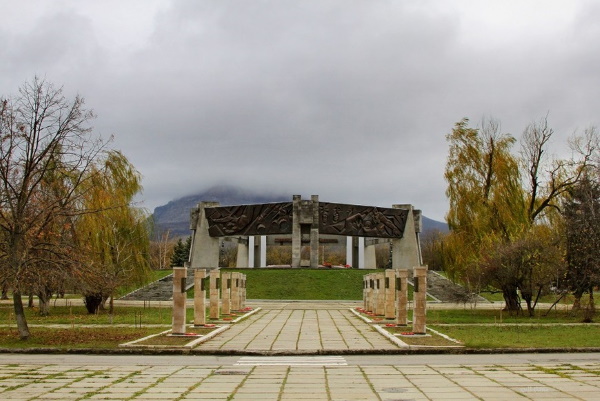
(524, 336)
(313, 284)
(100, 338)
(437, 316)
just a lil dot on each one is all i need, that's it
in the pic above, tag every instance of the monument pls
(304, 223)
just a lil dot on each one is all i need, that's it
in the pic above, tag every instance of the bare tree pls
(46, 151)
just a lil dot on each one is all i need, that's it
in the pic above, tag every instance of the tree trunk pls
(577, 301)
(4, 291)
(44, 296)
(511, 299)
(20, 316)
(111, 305)
(92, 303)
(30, 303)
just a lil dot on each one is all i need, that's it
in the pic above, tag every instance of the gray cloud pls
(350, 100)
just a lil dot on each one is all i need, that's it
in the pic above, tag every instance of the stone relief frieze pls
(262, 219)
(361, 221)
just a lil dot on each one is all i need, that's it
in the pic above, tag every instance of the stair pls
(160, 290)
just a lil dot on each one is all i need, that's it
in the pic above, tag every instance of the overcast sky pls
(349, 99)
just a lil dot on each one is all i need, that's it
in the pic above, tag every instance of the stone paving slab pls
(295, 330)
(290, 382)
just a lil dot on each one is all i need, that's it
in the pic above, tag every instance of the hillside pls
(175, 215)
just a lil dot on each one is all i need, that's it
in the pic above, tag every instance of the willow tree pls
(486, 199)
(115, 241)
(44, 138)
(499, 201)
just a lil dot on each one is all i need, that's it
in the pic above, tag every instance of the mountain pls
(175, 215)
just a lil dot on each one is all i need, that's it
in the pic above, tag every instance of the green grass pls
(105, 337)
(524, 336)
(466, 316)
(304, 284)
(77, 315)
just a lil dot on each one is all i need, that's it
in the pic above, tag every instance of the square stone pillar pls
(199, 297)
(257, 250)
(242, 259)
(380, 295)
(235, 291)
(179, 299)
(390, 294)
(226, 292)
(405, 250)
(214, 293)
(402, 297)
(365, 291)
(243, 292)
(205, 249)
(355, 253)
(370, 259)
(420, 299)
(296, 232)
(314, 232)
(371, 293)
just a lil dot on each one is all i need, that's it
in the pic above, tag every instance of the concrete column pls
(365, 291)
(214, 293)
(296, 231)
(355, 257)
(226, 293)
(243, 292)
(235, 291)
(402, 297)
(199, 297)
(405, 250)
(179, 299)
(371, 292)
(390, 294)
(242, 259)
(370, 260)
(380, 294)
(420, 299)
(205, 249)
(257, 251)
(314, 232)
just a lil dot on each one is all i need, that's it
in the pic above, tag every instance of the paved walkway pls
(308, 378)
(300, 330)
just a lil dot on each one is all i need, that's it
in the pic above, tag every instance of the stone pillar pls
(199, 297)
(365, 291)
(296, 233)
(380, 295)
(205, 249)
(371, 292)
(355, 258)
(390, 294)
(257, 251)
(314, 232)
(402, 297)
(418, 218)
(370, 260)
(405, 250)
(420, 299)
(243, 292)
(226, 293)
(235, 291)
(179, 299)
(242, 259)
(214, 293)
